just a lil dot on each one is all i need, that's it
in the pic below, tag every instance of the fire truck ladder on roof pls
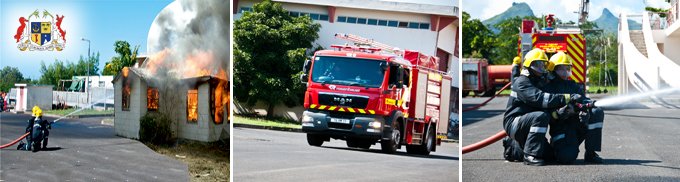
(361, 41)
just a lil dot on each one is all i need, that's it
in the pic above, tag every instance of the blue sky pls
(103, 22)
(563, 9)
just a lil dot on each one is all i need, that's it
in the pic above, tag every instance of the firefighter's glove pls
(573, 98)
(564, 112)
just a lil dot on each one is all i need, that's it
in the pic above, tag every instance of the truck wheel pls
(314, 140)
(391, 146)
(424, 148)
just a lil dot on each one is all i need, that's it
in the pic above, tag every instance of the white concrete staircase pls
(638, 39)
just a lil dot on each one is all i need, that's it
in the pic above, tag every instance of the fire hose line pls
(484, 143)
(492, 139)
(487, 100)
(14, 142)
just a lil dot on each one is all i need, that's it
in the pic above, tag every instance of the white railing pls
(673, 12)
(657, 21)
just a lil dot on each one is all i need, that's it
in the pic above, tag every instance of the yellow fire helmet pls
(37, 112)
(534, 55)
(517, 60)
(560, 58)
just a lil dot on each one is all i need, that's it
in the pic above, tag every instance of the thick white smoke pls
(188, 38)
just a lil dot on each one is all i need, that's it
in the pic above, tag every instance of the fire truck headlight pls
(307, 119)
(375, 124)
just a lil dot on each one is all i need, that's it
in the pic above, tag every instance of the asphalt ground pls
(638, 145)
(267, 155)
(83, 150)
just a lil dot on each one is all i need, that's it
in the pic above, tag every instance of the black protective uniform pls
(512, 150)
(38, 130)
(526, 119)
(568, 133)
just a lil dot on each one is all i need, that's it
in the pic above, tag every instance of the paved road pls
(83, 150)
(638, 145)
(265, 155)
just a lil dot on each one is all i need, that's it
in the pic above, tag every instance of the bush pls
(155, 128)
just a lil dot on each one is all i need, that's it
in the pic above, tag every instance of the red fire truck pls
(372, 93)
(566, 38)
(483, 79)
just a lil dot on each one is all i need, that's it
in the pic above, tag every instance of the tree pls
(505, 43)
(126, 57)
(477, 38)
(66, 70)
(9, 76)
(269, 51)
(597, 45)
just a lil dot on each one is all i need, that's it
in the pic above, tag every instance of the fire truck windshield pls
(348, 71)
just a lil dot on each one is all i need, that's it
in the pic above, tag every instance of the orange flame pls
(152, 99)
(192, 105)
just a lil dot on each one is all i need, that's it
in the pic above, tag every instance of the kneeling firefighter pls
(38, 130)
(526, 118)
(571, 125)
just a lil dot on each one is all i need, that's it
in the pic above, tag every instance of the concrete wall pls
(40, 96)
(101, 98)
(27, 96)
(293, 113)
(423, 40)
(126, 123)
(671, 46)
(205, 129)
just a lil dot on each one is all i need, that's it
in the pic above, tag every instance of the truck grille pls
(344, 100)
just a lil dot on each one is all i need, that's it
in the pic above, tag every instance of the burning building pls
(198, 105)
(184, 76)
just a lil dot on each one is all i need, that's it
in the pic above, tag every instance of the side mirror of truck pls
(306, 66)
(303, 78)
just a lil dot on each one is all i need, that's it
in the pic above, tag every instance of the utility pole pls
(87, 79)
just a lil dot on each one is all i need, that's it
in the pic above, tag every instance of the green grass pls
(266, 122)
(79, 113)
(610, 89)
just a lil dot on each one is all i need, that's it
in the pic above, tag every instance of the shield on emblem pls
(41, 32)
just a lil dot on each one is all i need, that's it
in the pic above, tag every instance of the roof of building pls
(383, 6)
(139, 72)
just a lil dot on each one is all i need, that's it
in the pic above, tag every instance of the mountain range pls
(607, 21)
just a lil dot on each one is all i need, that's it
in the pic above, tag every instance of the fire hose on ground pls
(14, 142)
(492, 139)
(20, 138)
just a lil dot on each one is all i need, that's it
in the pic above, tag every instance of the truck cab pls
(363, 96)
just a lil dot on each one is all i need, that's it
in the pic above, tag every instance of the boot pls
(533, 161)
(592, 157)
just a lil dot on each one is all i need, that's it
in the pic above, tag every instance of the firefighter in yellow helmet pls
(526, 118)
(516, 68)
(39, 131)
(570, 127)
